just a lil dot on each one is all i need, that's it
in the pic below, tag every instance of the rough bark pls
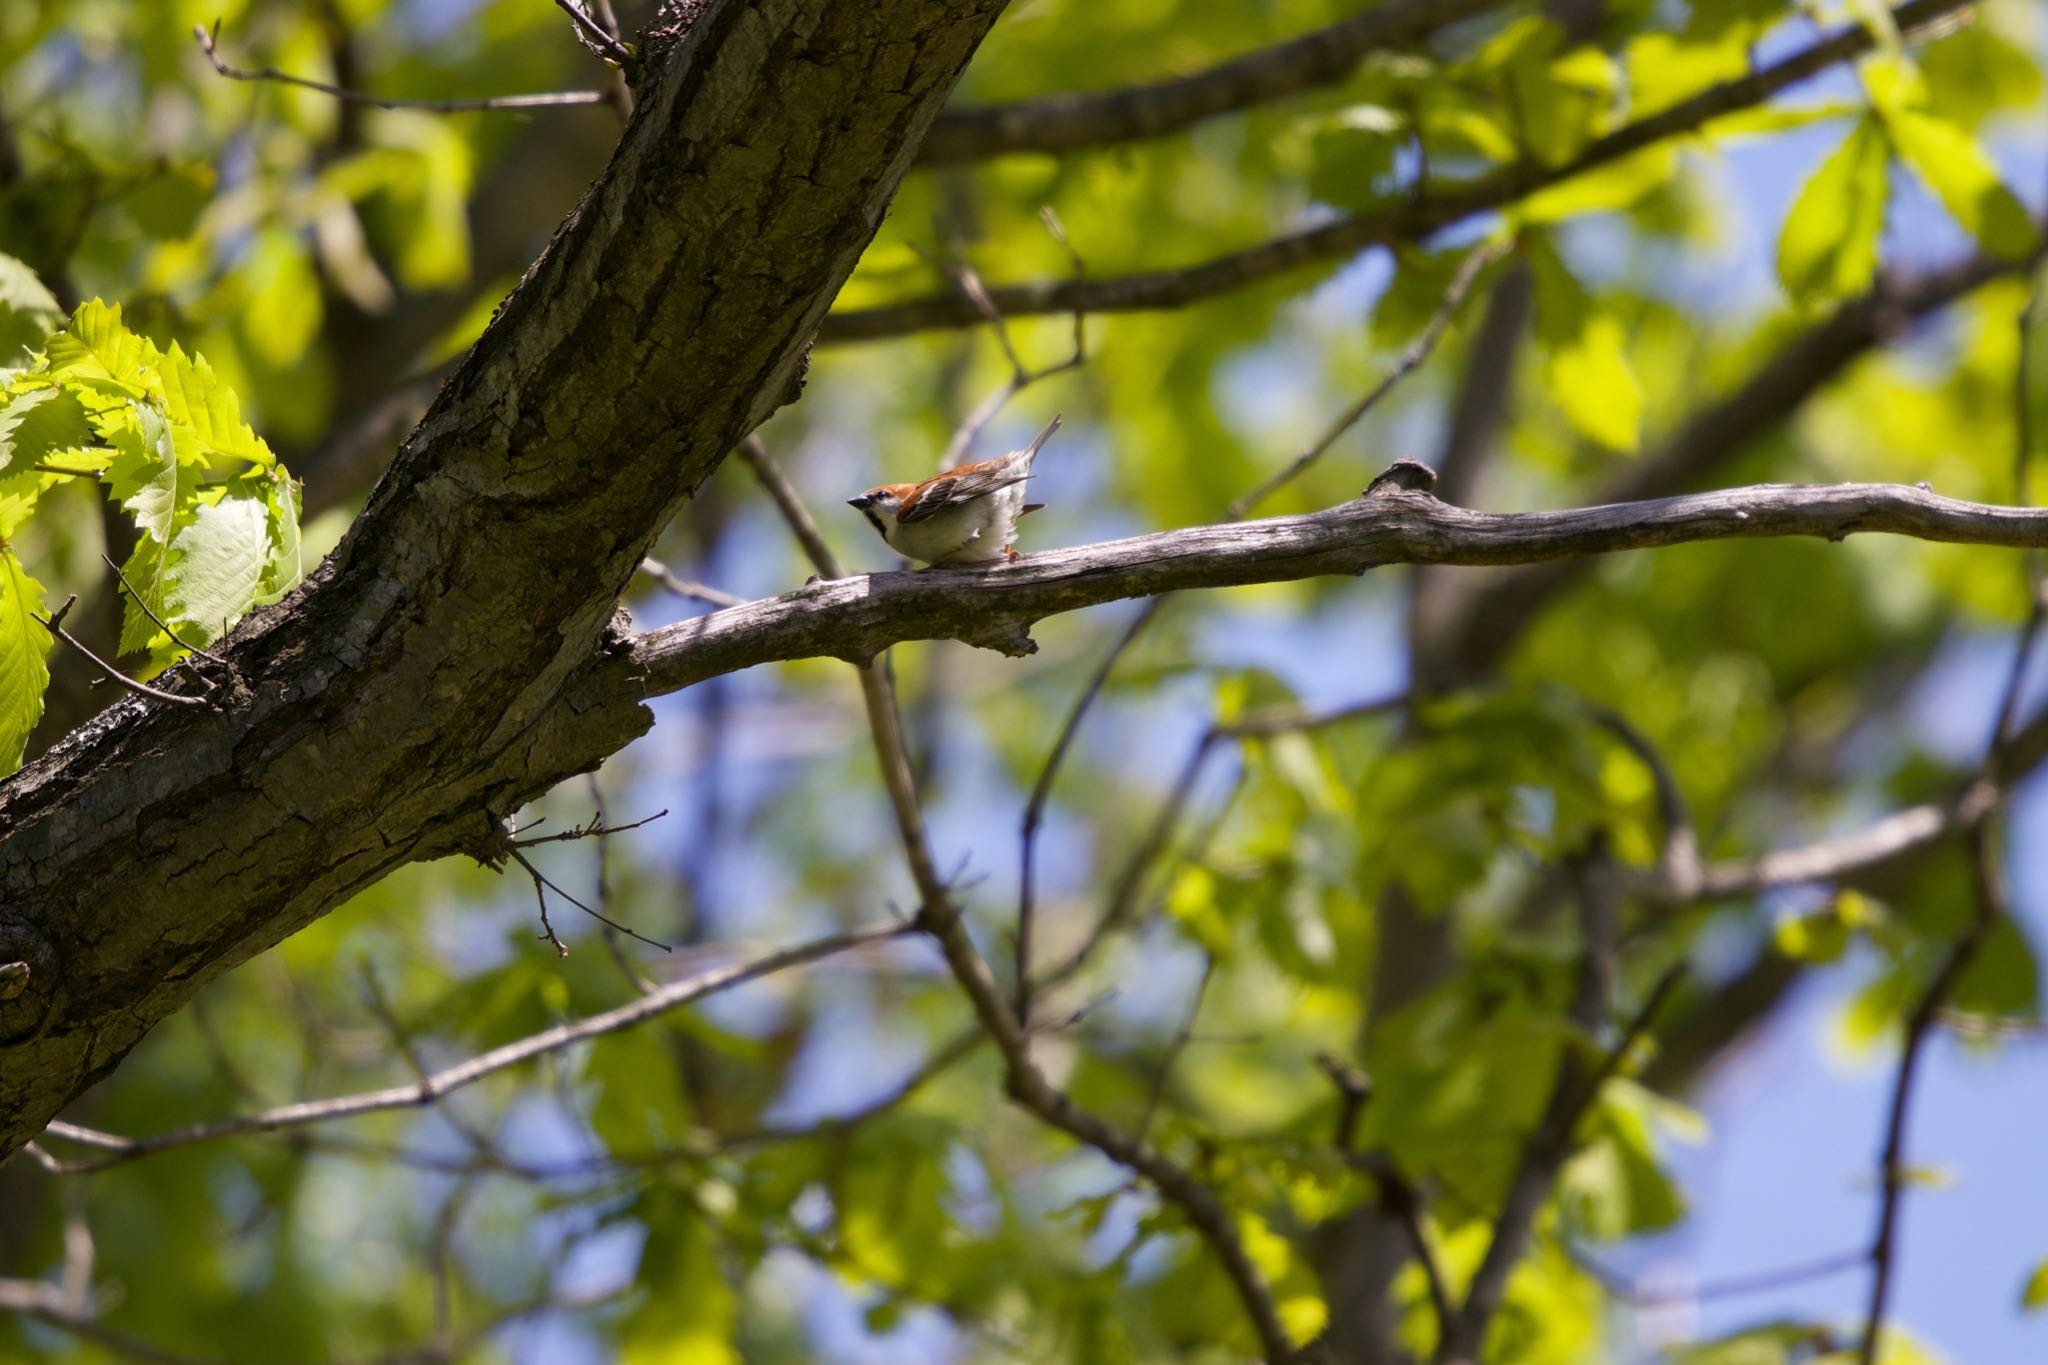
(424, 682)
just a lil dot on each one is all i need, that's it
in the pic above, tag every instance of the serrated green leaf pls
(285, 567)
(145, 475)
(220, 562)
(145, 571)
(24, 648)
(96, 350)
(16, 452)
(195, 397)
(19, 494)
(1586, 363)
(1960, 174)
(1828, 248)
(29, 312)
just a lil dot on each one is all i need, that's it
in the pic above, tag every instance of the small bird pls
(958, 516)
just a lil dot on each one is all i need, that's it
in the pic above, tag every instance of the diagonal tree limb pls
(1067, 122)
(417, 688)
(1415, 216)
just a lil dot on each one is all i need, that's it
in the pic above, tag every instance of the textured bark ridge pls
(432, 676)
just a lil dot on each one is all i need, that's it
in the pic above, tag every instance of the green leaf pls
(1772, 1344)
(145, 571)
(1586, 365)
(1351, 150)
(17, 451)
(283, 310)
(29, 312)
(195, 397)
(1556, 103)
(1959, 173)
(146, 476)
(19, 494)
(285, 567)
(1604, 189)
(430, 192)
(1828, 249)
(24, 647)
(1664, 68)
(169, 203)
(98, 351)
(1976, 72)
(688, 1315)
(2034, 1294)
(218, 568)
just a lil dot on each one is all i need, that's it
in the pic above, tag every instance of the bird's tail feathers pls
(1043, 436)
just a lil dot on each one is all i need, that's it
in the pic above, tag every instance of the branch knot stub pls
(1004, 634)
(28, 977)
(1403, 475)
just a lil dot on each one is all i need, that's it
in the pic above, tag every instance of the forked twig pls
(54, 623)
(1021, 376)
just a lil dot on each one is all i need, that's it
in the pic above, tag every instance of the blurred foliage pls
(681, 1192)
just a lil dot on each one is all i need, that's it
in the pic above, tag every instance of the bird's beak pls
(861, 502)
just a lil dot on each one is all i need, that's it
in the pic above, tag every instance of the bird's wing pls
(965, 484)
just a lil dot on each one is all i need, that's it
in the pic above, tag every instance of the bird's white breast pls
(974, 532)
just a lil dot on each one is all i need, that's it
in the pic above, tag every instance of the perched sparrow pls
(961, 516)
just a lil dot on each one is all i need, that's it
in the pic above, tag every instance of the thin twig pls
(1734, 1287)
(1992, 907)
(1468, 273)
(682, 587)
(791, 505)
(1182, 1037)
(594, 36)
(540, 880)
(150, 612)
(554, 100)
(1069, 120)
(1041, 791)
(1128, 886)
(54, 623)
(596, 829)
(2030, 563)
(1679, 861)
(453, 1078)
(1021, 376)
